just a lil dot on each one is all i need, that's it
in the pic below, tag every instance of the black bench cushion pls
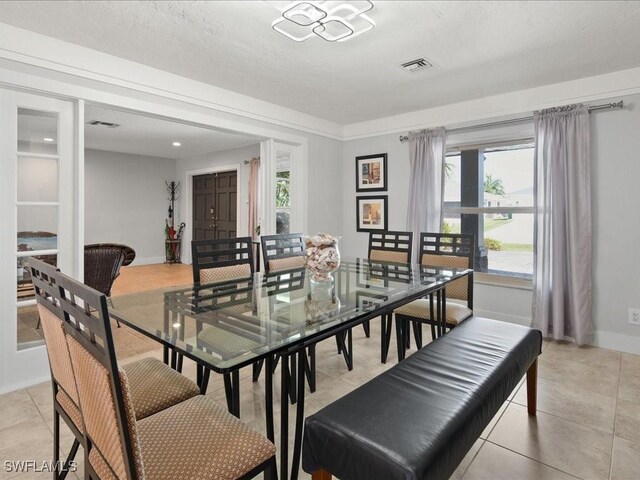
(418, 419)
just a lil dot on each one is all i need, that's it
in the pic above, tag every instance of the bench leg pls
(532, 388)
(320, 475)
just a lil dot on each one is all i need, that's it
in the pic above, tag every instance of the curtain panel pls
(427, 150)
(562, 259)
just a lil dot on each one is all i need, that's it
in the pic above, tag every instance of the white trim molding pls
(504, 106)
(30, 48)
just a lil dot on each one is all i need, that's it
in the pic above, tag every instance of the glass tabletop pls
(232, 323)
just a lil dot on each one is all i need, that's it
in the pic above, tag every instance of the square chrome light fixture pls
(333, 21)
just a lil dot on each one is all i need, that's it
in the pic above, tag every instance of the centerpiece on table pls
(322, 256)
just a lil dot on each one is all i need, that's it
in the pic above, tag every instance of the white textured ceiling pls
(143, 135)
(478, 48)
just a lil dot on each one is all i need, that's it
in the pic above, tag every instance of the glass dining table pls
(267, 317)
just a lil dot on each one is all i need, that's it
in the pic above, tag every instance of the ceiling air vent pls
(100, 123)
(416, 65)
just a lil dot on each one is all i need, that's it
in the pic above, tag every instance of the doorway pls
(215, 208)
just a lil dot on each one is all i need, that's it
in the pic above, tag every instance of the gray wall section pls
(126, 201)
(325, 202)
(615, 176)
(616, 224)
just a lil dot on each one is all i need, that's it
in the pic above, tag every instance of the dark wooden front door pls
(214, 205)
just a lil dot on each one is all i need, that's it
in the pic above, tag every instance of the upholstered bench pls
(418, 419)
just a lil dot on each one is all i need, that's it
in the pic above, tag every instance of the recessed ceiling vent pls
(416, 65)
(100, 123)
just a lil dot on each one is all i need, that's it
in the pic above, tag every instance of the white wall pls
(126, 201)
(616, 221)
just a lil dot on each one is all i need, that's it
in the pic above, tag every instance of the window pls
(489, 192)
(283, 200)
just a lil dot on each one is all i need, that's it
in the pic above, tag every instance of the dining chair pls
(196, 438)
(215, 261)
(388, 246)
(102, 262)
(154, 386)
(282, 252)
(443, 250)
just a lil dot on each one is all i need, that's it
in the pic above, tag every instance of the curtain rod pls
(604, 106)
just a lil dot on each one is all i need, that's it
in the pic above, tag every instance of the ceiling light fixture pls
(330, 20)
(176, 144)
(47, 139)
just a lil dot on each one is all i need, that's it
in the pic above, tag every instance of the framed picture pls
(371, 173)
(371, 213)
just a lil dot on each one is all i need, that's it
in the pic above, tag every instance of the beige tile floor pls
(588, 423)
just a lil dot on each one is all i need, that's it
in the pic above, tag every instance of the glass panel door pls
(37, 201)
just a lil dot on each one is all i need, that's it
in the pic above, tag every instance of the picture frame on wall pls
(371, 173)
(371, 213)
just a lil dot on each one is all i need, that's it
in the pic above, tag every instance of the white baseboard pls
(25, 384)
(148, 260)
(609, 340)
(525, 321)
(617, 341)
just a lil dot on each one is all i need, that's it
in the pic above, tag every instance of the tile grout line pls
(615, 414)
(533, 459)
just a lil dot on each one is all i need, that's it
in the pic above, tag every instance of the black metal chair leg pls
(204, 382)
(271, 472)
(292, 370)
(56, 440)
(400, 338)
(387, 337)
(310, 368)
(257, 368)
(417, 332)
(367, 328)
(67, 463)
(228, 391)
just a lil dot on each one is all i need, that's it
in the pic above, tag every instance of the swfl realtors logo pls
(24, 466)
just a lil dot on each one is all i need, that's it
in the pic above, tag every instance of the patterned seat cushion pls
(420, 309)
(196, 439)
(219, 274)
(155, 386)
(71, 409)
(287, 263)
(388, 256)
(224, 343)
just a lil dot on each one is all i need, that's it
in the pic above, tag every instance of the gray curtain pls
(426, 160)
(562, 272)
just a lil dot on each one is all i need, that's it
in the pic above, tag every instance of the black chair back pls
(453, 250)
(279, 251)
(391, 246)
(222, 253)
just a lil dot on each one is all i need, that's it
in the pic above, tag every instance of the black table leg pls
(284, 417)
(269, 397)
(297, 444)
(235, 390)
